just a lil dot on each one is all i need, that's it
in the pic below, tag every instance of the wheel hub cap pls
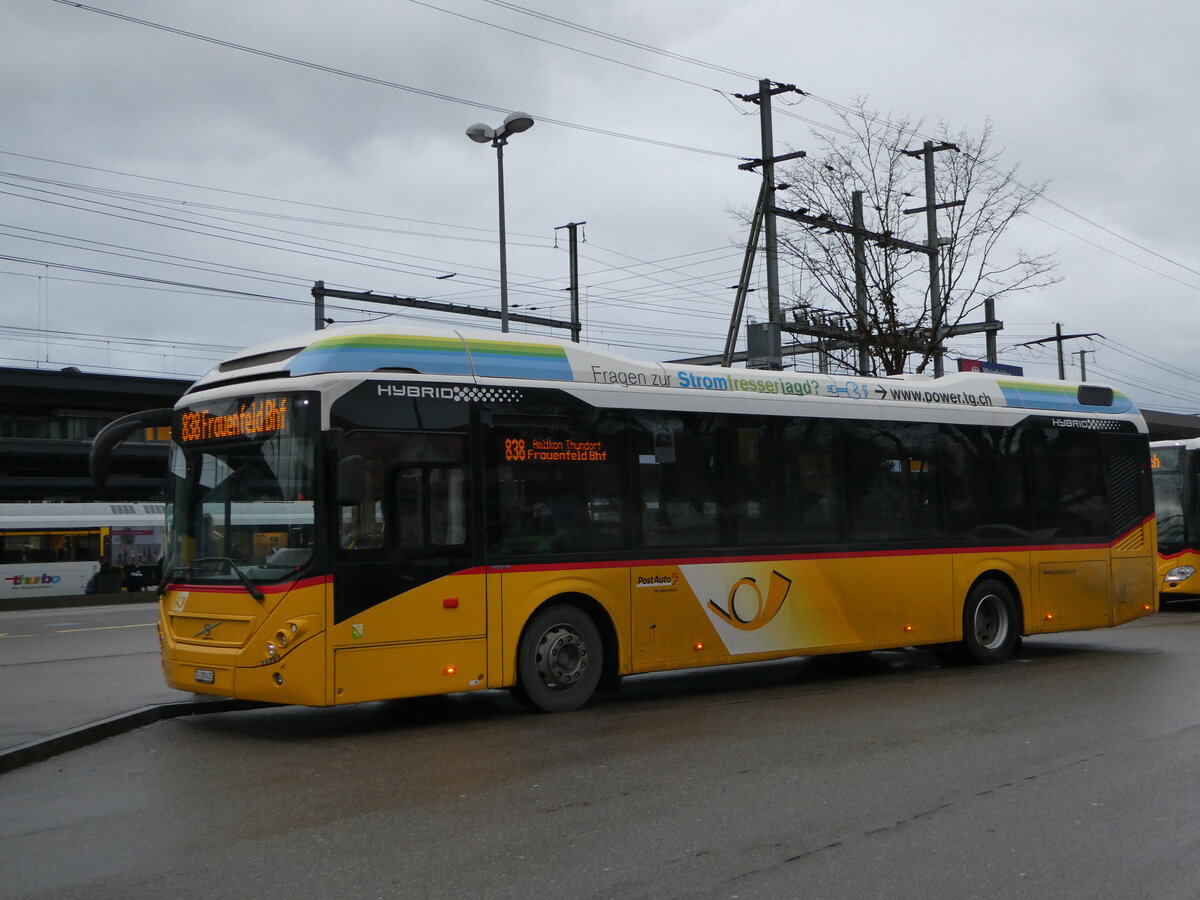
(562, 657)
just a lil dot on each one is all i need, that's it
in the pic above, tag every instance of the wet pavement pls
(74, 674)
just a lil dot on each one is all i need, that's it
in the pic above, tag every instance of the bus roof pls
(486, 355)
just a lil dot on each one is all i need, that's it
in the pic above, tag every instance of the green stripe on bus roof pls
(1044, 388)
(1037, 387)
(506, 348)
(387, 340)
(503, 348)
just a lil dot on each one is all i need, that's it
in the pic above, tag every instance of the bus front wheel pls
(990, 624)
(560, 659)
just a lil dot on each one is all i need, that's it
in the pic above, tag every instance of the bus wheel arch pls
(992, 619)
(566, 651)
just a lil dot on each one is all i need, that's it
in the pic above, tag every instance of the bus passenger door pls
(410, 610)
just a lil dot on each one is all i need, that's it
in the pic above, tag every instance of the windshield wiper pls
(246, 582)
(168, 573)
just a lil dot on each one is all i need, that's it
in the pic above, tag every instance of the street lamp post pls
(514, 123)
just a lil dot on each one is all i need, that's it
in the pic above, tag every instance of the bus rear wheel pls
(990, 623)
(560, 659)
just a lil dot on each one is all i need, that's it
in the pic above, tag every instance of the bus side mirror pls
(113, 433)
(350, 485)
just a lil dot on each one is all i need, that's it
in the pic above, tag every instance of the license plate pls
(205, 676)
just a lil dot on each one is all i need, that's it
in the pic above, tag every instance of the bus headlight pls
(1179, 573)
(286, 637)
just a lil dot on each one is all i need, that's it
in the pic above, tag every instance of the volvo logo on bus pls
(207, 630)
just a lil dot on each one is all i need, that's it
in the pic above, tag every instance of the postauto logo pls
(32, 580)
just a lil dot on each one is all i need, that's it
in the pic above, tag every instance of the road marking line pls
(107, 627)
(15, 635)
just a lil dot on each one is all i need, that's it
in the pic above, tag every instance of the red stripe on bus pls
(240, 589)
(794, 557)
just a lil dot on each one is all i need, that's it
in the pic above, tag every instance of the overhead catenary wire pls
(306, 248)
(565, 23)
(646, 48)
(381, 82)
(575, 26)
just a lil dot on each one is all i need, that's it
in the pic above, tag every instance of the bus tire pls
(560, 659)
(990, 623)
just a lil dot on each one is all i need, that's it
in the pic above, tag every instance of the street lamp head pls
(515, 123)
(480, 133)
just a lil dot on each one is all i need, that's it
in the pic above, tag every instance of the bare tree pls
(865, 154)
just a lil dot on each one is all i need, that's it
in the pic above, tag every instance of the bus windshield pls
(1169, 480)
(240, 494)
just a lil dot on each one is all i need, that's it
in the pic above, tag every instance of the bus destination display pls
(554, 450)
(250, 418)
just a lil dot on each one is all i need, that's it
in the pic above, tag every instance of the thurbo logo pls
(26, 580)
(746, 608)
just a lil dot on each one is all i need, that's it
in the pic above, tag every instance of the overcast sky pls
(167, 198)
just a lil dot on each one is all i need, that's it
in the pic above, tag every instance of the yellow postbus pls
(368, 513)
(1175, 469)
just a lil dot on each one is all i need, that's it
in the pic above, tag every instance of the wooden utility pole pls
(989, 313)
(936, 311)
(1058, 339)
(573, 251)
(743, 285)
(766, 90)
(860, 285)
(318, 295)
(1082, 354)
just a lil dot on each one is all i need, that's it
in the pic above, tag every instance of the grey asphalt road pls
(65, 668)
(1068, 772)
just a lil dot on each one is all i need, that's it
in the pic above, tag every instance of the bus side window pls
(448, 506)
(678, 472)
(362, 524)
(408, 501)
(430, 507)
(893, 471)
(415, 494)
(1070, 497)
(785, 482)
(555, 483)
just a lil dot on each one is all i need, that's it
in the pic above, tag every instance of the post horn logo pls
(764, 610)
